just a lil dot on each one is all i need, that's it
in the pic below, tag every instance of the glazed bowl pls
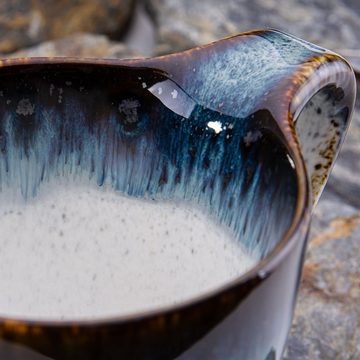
(248, 127)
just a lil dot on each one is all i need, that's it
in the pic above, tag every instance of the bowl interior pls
(136, 131)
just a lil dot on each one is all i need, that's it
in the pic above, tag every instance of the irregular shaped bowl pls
(248, 126)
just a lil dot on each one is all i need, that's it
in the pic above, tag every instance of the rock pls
(327, 317)
(141, 33)
(183, 24)
(24, 23)
(79, 45)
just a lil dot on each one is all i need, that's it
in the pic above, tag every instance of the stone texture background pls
(27, 22)
(327, 319)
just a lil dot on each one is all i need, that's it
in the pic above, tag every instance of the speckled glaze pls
(248, 127)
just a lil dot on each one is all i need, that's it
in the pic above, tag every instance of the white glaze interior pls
(77, 251)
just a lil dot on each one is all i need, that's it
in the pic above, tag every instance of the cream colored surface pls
(86, 252)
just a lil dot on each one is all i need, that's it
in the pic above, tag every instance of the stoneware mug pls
(248, 126)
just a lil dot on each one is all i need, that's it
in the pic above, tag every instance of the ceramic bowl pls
(248, 126)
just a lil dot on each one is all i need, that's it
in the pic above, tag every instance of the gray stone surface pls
(24, 23)
(78, 45)
(182, 24)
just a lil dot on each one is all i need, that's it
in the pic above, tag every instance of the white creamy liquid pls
(86, 252)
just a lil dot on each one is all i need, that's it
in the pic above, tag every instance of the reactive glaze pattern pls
(214, 126)
(140, 133)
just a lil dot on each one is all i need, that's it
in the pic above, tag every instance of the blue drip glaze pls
(134, 142)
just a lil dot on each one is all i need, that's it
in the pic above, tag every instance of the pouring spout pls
(310, 91)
